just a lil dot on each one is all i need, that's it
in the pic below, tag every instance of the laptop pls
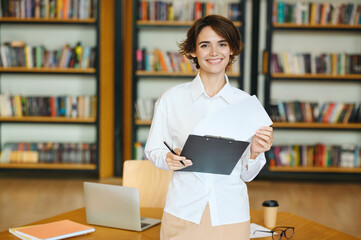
(115, 206)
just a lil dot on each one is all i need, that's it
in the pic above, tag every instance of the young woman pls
(202, 205)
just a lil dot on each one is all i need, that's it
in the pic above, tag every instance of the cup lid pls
(270, 203)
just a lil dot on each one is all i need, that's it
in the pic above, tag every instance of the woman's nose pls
(213, 51)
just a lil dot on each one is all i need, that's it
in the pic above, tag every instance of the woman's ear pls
(193, 55)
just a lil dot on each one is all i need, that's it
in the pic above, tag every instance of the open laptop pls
(115, 206)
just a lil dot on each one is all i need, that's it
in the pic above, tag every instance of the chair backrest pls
(151, 182)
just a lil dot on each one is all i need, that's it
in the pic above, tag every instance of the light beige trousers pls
(174, 228)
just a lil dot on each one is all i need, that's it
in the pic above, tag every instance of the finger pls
(175, 157)
(174, 160)
(174, 165)
(177, 165)
(188, 163)
(177, 151)
(266, 128)
(265, 131)
(264, 137)
(263, 144)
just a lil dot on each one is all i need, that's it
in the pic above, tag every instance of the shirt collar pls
(197, 89)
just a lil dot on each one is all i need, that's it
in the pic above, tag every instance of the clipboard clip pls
(219, 137)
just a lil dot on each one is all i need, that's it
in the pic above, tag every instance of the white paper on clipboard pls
(239, 121)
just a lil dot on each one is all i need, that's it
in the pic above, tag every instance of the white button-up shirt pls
(177, 113)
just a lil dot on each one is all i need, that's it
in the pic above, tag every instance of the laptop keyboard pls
(143, 225)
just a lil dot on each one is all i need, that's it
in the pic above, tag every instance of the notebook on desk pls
(115, 206)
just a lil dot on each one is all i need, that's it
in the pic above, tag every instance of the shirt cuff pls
(249, 161)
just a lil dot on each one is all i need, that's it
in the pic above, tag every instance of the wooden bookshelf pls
(314, 169)
(316, 76)
(290, 125)
(60, 166)
(143, 122)
(172, 23)
(356, 126)
(48, 70)
(175, 74)
(316, 26)
(46, 20)
(282, 31)
(47, 119)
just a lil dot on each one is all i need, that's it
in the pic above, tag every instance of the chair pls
(151, 182)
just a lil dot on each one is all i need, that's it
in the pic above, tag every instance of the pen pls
(170, 149)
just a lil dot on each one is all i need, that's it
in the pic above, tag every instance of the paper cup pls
(270, 208)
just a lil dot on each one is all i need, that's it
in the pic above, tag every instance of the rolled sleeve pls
(251, 167)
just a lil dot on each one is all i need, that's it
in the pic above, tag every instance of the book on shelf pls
(313, 112)
(139, 150)
(182, 10)
(164, 61)
(49, 106)
(144, 108)
(54, 230)
(310, 63)
(53, 9)
(318, 155)
(18, 54)
(316, 13)
(48, 152)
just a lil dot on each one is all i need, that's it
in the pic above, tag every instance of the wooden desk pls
(304, 228)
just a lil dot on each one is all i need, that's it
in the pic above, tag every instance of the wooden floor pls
(336, 205)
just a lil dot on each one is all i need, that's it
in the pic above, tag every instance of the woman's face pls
(212, 51)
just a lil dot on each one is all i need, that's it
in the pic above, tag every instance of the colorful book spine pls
(318, 155)
(303, 111)
(316, 13)
(48, 152)
(60, 9)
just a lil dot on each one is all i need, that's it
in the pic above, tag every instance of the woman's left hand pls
(261, 141)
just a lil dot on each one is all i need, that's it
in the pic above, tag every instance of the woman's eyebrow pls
(220, 41)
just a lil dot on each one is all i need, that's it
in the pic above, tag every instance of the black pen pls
(171, 150)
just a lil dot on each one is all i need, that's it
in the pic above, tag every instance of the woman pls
(202, 205)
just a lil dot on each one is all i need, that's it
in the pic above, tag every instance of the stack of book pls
(319, 155)
(18, 54)
(60, 9)
(182, 10)
(52, 106)
(324, 63)
(144, 108)
(301, 111)
(54, 230)
(316, 13)
(48, 152)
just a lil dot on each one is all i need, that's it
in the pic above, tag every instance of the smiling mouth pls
(218, 60)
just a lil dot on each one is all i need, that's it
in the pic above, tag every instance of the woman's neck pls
(213, 83)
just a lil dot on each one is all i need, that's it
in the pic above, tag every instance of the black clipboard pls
(211, 154)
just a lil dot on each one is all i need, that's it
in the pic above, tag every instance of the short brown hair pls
(222, 26)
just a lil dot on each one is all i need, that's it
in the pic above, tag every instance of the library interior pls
(79, 84)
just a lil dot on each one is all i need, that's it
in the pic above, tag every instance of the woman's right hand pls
(173, 160)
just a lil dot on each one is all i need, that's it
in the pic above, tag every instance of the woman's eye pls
(223, 44)
(204, 45)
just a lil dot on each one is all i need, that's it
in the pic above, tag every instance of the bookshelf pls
(318, 86)
(53, 33)
(164, 34)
